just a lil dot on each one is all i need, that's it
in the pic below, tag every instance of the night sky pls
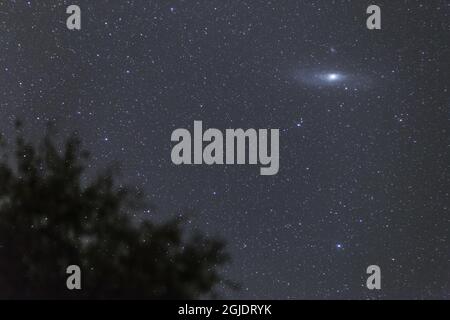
(363, 115)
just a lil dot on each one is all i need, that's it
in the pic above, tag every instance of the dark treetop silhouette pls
(52, 217)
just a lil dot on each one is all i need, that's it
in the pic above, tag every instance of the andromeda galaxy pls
(331, 79)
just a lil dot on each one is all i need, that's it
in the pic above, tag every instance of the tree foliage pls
(52, 216)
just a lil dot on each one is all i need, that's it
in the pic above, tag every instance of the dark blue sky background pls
(364, 161)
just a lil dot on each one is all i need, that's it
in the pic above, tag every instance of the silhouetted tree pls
(51, 217)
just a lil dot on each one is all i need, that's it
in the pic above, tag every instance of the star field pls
(363, 116)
